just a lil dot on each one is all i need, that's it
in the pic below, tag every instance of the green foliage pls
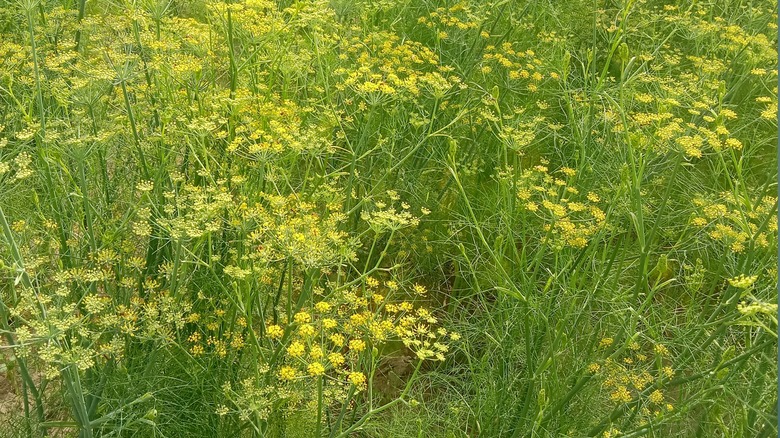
(379, 218)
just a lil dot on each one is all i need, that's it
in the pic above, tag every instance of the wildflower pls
(237, 341)
(756, 308)
(315, 369)
(568, 171)
(306, 330)
(336, 359)
(743, 281)
(337, 339)
(288, 373)
(691, 145)
(621, 394)
(357, 345)
(302, 317)
(274, 331)
(661, 349)
(23, 161)
(145, 186)
(296, 349)
(358, 379)
(733, 143)
(322, 306)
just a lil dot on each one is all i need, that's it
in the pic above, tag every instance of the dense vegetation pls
(499, 218)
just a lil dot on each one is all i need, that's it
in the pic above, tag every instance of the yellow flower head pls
(322, 306)
(358, 379)
(315, 369)
(743, 281)
(337, 339)
(274, 331)
(296, 349)
(302, 317)
(288, 373)
(306, 330)
(357, 345)
(337, 359)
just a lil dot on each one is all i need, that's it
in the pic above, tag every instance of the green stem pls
(386, 406)
(82, 4)
(36, 71)
(136, 137)
(512, 289)
(319, 407)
